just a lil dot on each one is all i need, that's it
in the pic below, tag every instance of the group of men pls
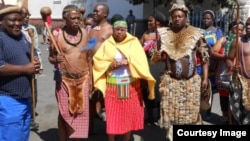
(180, 86)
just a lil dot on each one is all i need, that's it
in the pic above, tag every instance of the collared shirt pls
(14, 51)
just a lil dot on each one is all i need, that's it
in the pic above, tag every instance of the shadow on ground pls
(48, 135)
(150, 133)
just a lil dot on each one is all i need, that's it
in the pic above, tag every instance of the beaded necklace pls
(68, 42)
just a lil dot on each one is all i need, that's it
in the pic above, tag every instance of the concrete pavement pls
(47, 110)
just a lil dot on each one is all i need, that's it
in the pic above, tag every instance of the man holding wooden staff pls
(240, 92)
(180, 85)
(16, 70)
(31, 34)
(72, 75)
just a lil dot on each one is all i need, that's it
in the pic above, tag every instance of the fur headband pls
(181, 7)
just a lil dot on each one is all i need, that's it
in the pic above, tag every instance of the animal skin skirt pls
(77, 125)
(180, 101)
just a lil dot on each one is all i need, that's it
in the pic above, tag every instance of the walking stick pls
(157, 37)
(31, 34)
(237, 46)
(45, 12)
(156, 32)
(239, 3)
(158, 41)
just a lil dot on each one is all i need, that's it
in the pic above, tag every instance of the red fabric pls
(79, 123)
(49, 20)
(124, 115)
(223, 92)
(151, 44)
(198, 59)
(221, 51)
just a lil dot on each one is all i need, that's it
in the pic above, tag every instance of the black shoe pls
(34, 125)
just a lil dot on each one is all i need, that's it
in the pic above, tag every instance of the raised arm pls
(215, 50)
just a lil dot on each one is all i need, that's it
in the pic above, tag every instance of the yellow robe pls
(137, 60)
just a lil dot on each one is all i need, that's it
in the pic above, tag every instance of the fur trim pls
(178, 45)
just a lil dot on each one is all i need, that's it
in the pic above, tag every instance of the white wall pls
(10, 2)
(247, 8)
(55, 5)
(116, 7)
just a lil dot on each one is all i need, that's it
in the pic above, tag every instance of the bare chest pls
(245, 49)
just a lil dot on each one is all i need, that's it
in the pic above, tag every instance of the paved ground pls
(47, 110)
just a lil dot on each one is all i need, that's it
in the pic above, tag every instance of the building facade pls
(141, 11)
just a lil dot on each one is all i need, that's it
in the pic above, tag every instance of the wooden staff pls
(45, 12)
(158, 46)
(31, 34)
(237, 46)
(239, 3)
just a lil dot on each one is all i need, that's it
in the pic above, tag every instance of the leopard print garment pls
(178, 45)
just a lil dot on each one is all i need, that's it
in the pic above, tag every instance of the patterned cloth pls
(78, 124)
(180, 102)
(129, 112)
(239, 100)
(240, 91)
